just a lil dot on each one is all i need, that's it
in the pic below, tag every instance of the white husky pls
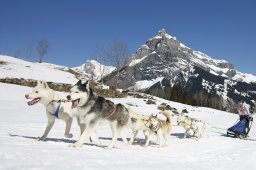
(162, 128)
(139, 123)
(55, 108)
(198, 127)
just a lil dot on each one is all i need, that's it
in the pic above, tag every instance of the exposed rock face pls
(164, 56)
(32, 83)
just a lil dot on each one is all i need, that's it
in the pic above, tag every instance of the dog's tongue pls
(32, 102)
(75, 103)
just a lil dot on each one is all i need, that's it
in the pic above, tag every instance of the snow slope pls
(16, 68)
(21, 124)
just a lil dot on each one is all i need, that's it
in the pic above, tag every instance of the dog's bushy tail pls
(133, 113)
(168, 116)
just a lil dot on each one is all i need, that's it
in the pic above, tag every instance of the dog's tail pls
(132, 113)
(168, 116)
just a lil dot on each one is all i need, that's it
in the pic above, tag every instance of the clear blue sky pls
(223, 29)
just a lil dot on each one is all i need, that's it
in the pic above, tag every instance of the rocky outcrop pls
(64, 87)
(32, 83)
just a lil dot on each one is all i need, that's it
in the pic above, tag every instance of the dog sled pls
(241, 129)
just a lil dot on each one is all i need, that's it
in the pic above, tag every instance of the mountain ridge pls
(164, 58)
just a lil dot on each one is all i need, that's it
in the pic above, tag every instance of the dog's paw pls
(68, 135)
(72, 145)
(40, 139)
(96, 142)
(109, 147)
(75, 145)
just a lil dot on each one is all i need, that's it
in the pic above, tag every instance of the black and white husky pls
(54, 109)
(93, 109)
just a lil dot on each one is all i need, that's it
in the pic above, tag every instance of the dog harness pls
(111, 112)
(154, 128)
(56, 113)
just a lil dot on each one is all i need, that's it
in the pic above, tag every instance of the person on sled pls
(242, 127)
(243, 110)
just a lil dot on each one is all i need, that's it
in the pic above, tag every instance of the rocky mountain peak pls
(162, 32)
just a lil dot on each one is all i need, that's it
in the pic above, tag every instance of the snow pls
(245, 77)
(156, 37)
(20, 125)
(212, 64)
(144, 84)
(95, 68)
(16, 68)
(184, 46)
(170, 37)
(136, 61)
(144, 46)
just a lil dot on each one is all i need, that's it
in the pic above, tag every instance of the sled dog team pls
(91, 109)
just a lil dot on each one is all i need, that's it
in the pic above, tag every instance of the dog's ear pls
(79, 82)
(45, 85)
(152, 115)
(87, 85)
(38, 83)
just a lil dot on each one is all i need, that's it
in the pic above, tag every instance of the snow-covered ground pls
(11, 67)
(21, 124)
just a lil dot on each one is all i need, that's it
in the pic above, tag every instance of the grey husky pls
(51, 100)
(93, 109)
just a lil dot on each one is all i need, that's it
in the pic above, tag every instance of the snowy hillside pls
(11, 67)
(93, 69)
(20, 125)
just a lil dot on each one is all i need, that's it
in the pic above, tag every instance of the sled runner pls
(241, 128)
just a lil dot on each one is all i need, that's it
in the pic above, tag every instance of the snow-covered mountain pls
(164, 61)
(94, 70)
(11, 67)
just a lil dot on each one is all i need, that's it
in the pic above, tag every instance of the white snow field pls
(17, 68)
(20, 125)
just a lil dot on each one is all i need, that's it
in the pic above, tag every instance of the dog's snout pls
(26, 96)
(68, 97)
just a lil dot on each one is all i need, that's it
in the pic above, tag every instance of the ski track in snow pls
(20, 125)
